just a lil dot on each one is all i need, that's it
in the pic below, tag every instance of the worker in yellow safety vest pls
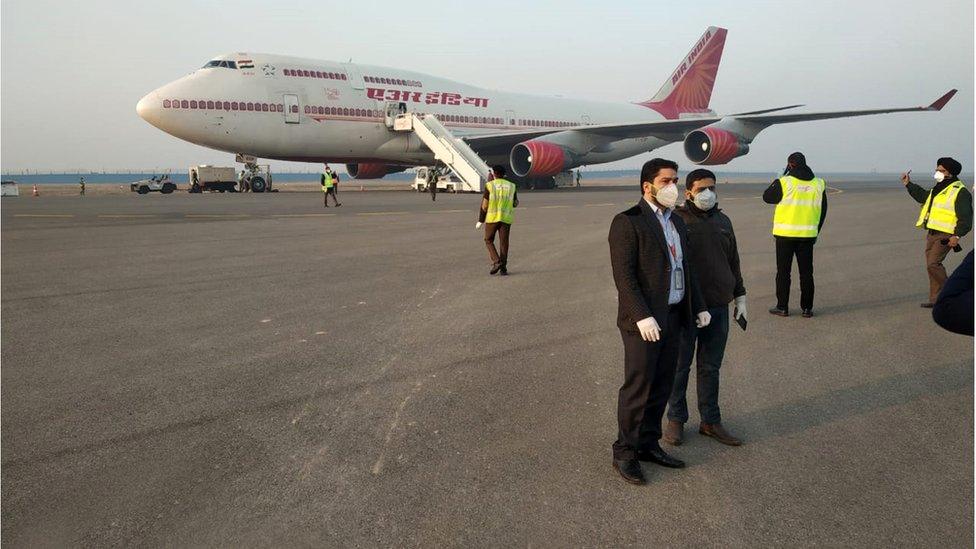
(946, 216)
(497, 211)
(801, 208)
(327, 183)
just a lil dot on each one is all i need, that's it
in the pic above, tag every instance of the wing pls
(675, 130)
(666, 129)
(770, 119)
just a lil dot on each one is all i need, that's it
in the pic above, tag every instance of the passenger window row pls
(342, 111)
(393, 81)
(545, 123)
(314, 74)
(206, 104)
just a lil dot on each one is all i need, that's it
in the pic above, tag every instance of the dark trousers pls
(503, 230)
(648, 375)
(710, 342)
(786, 248)
(334, 194)
(935, 254)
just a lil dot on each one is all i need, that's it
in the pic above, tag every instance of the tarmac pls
(256, 370)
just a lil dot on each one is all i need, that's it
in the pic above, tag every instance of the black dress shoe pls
(630, 470)
(779, 312)
(807, 313)
(928, 305)
(660, 457)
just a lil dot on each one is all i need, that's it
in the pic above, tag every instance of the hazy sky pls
(72, 72)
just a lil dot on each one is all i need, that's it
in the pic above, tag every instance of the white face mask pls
(939, 176)
(667, 196)
(705, 200)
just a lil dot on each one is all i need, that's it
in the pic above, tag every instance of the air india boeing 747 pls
(290, 108)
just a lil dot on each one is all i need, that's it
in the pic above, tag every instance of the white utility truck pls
(446, 182)
(212, 178)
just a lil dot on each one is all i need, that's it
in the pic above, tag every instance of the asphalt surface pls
(255, 370)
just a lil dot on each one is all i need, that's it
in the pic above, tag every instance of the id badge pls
(679, 279)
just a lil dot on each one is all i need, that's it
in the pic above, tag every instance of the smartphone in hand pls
(740, 320)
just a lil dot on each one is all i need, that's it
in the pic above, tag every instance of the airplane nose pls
(148, 108)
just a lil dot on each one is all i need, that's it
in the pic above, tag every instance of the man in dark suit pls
(657, 295)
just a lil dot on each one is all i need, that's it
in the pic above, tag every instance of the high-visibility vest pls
(326, 182)
(501, 198)
(942, 216)
(798, 213)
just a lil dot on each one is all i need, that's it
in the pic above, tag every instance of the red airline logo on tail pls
(691, 57)
(690, 88)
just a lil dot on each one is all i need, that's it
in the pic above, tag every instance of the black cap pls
(950, 164)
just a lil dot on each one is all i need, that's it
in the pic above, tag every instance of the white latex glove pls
(740, 307)
(649, 330)
(704, 319)
(477, 225)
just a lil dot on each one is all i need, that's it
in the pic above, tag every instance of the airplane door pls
(355, 76)
(291, 108)
(509, 118)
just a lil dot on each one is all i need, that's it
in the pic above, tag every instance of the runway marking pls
(303, 215)
(44, 215)
(126, 216)
(447, 211)
(216, 215)
(602, 204)
(382, 213)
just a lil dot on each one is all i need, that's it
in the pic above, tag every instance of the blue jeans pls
(710, 341)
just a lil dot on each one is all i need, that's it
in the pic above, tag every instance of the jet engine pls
(371, 171)
(710, 146)
(537, 158)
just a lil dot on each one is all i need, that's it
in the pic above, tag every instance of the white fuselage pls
(336, 111)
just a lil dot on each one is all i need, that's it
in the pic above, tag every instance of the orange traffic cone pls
(35, 193)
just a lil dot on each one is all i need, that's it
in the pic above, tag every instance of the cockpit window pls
(221, 64)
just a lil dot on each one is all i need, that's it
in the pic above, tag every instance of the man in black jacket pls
(657, 295)
(791, 238)
(714, 258)
(953, 308)
(946, 216)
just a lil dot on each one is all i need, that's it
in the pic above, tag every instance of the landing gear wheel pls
(258, 185)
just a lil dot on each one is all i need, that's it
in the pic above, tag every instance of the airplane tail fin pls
(689, 89)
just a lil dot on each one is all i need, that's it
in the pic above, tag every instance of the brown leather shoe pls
(674, 433)
(716, 431)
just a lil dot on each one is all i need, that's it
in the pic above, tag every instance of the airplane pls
(297, 109)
